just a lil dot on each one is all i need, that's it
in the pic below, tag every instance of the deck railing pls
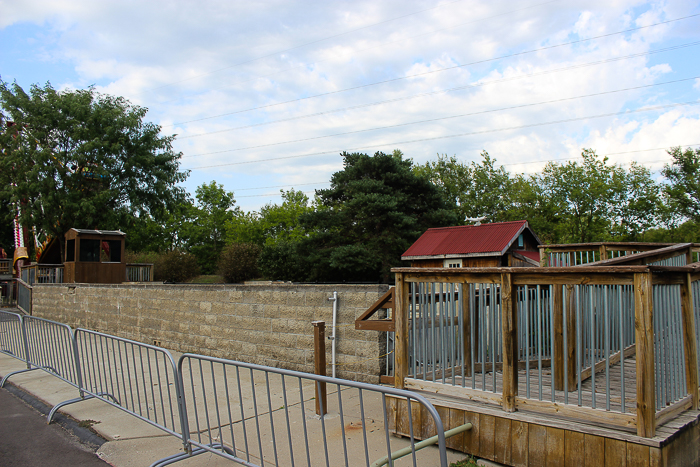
(5, 266)
(614, 345)
(42, 274)
(576, 254)
(139, 272)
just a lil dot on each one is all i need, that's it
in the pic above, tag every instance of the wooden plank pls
(574, 449)
(320, 366)
(537, 444)
(510, 344)
(402, 426)
(472, 437)
(690, 341)
(555, 447)
(384, 325)
(455, 391)
(519, 443)
(572, 382)
(638, 455)
(391, 413)
(615, 452)
(655, 458)
(401, 334)
(644, 333)
(502, 441)
(612, 360)
(671, 412)
(456, 418)
(487, 432)
(582, 278)
(558, 321)
(582, 413)
(484, 278)
(595, 449)
(385, 301)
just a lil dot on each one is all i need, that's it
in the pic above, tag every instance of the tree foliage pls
(81, 159)
(683, 189)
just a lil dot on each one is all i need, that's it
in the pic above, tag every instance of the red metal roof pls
(533, 255)
(466, 239)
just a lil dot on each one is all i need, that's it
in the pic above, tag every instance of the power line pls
(519, 127)
(429, 72)
(345, 33)
(452, 116)
(280, 186)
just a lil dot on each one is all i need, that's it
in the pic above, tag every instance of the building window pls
(452, 263)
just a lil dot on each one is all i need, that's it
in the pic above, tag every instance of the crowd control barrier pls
(232, 409)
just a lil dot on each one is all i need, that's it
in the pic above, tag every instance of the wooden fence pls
(604, 344)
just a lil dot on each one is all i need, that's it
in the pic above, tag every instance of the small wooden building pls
(486, 245)
(95, 256)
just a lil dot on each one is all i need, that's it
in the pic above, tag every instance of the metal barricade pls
(12, 341)
(24, 297)
(234, 410)
(137, 378)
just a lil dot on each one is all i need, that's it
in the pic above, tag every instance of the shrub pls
(239, 262)
(175, 266)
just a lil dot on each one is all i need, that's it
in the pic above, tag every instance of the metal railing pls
(233, 409)
(594, 343)
(139, 272)
(24, 296)
(5, 266)
(586, 253)
(8, 292)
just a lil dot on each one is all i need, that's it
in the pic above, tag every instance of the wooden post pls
(689, 339)
(401, 334)
(543, 257)
(510, 344)
(558, 317)
(467, 329)
(689, 255)
(603, 252)
(571, 326)
(320, 366)
(644, 334)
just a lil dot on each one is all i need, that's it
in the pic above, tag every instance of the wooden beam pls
(644, 334)
(571, 325)
(510, 344)
(385, 301)
(690, 341)
(401, 331)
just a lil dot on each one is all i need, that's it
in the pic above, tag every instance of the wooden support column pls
(603, 252)
(644, 334)
(558, 317)
(510, 344)
(689, 255)
(467, 329)
(689, 339)
(401, 335)
(320, 366)
(571, 326)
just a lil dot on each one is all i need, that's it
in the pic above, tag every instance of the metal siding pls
(466, 239)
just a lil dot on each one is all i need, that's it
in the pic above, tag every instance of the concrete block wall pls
(266, 324)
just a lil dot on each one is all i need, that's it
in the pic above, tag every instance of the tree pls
(80, 158)
(683, 189)
(374, 210)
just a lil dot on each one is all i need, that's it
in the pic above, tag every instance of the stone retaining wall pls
(267, 324)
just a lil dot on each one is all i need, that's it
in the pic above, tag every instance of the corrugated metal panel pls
(533, 255)
(484, 238)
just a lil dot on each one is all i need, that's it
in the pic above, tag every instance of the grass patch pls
(87, 423)
(468, 462)
(208, 279)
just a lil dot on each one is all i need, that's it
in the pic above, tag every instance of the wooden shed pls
(497, 244)
(95, 256)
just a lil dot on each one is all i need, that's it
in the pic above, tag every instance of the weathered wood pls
(587, 278)
(603, 250)
(466, 328)
(320, 366)
(644, 334)
(574, 449)
(453, 278)
(595, 449)
(502, 441)
(456, 419)
(558, 321)
(612, 360)
(473, 436)
(537, 445)
(401, 331)
(455, 391)
(571, 324)
(637, 455)
(391, 413)
(510, 344)
(555, 447)
(690, 341)
(385, 301)
(615, 452)
(383, 325)
(487, 426)
(586, 414)
(672, 411)
(520, 444)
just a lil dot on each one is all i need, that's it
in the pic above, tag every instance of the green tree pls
(683, 189)
(80, 158)
(374, 210)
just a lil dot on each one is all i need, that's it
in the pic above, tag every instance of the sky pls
(266, 95)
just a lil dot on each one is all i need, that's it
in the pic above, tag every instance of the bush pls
(280, 262)
(175, 266)
(239, 262)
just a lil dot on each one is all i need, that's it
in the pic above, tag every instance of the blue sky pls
(265, 95)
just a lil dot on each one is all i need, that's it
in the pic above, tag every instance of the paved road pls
(26, 439)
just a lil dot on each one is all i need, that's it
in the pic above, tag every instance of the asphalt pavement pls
(26, 439)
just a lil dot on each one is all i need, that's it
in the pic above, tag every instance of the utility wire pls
(431, 72)
(434, 138)
(457, 116)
